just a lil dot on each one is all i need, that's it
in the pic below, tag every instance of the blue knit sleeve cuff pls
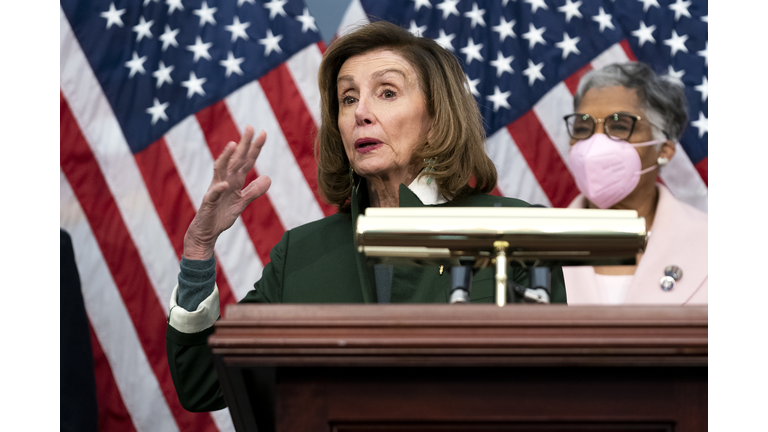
(196, 281)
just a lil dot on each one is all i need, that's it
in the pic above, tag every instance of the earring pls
(429, 167)
(662, 160)
(351, 176)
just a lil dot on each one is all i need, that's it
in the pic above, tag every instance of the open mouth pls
(366, 144)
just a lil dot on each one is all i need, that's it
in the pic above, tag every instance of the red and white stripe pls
(127, 215)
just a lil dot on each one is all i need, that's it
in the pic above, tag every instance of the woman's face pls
(382, 116)
(602, 102)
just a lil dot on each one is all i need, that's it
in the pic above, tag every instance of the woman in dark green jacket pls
(399, 129)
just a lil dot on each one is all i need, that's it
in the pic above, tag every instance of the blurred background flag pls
(152, 90)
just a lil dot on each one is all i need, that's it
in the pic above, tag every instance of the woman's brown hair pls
(457, 137)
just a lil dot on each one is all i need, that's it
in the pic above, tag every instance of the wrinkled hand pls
(226, 198)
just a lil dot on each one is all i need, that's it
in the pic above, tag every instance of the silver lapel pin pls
(672, 274)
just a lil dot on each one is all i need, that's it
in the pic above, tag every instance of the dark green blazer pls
(318, 263)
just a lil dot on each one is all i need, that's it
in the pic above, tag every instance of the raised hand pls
(226, 198)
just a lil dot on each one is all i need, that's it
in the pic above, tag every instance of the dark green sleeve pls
(194, 376)
(190, 358)
(269, 289)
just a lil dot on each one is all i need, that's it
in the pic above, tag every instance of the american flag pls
(150, 94)
(152, 90)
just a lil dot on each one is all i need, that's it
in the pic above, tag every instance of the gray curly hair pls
(662, 97)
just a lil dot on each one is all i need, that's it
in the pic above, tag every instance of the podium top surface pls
(482, 314)
(462, 335)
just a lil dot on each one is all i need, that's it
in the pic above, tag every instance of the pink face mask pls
(605, 170)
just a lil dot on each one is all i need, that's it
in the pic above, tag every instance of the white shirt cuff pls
(206, 314)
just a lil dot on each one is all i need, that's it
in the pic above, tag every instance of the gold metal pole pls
(500, 247)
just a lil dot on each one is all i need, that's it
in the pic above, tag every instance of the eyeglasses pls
(618, 126)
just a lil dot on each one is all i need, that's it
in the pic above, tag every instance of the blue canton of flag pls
(163, 61)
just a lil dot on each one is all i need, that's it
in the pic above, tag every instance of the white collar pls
(429, 194)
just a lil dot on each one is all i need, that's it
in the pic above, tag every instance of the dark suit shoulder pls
(330, 225)
(486, 200)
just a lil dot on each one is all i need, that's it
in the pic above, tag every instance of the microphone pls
(461, 280)
(541, 286)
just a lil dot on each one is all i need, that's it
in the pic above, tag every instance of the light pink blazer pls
(678, 237)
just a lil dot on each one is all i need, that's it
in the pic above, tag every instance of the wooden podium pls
(372, 368)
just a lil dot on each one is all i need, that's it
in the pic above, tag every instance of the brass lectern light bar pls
(535, 212)
(439, 236)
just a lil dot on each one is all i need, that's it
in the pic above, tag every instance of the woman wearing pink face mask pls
(624, 130)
